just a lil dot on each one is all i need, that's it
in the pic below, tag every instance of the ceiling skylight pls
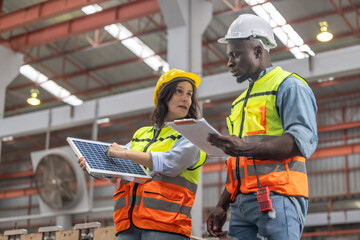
(49, 85)
(134, 44)
(284, 32)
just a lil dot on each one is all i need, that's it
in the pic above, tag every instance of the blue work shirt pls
(297, 109)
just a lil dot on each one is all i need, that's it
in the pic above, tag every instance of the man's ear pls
(258, 51)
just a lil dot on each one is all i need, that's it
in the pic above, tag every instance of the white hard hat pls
(253, 26)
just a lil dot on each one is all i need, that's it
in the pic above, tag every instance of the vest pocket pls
(121, 203)
(233, 123)
(270, 173)
(255, 117)
(163, 206)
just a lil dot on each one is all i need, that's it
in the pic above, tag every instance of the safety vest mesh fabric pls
(164, 203)
(254, 118)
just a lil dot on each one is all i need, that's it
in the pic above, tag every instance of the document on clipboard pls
(197, 131)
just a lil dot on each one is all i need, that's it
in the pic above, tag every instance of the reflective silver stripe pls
(297, 166)
(241, 171)
(161, 205)
(185, 210)
(267, 168)
(120, 203)
(167, 206)
(138, 200)
(180, 181)
(257, 138)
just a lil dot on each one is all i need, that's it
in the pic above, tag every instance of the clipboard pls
(197, 131)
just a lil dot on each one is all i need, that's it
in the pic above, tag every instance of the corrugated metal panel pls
(330, 117)
(330, 135)
(354, 175)
(325, 164)
(353, 160)
(351, 114)
(354, 181)
(327, 183)
(210, 196)
(353, 132)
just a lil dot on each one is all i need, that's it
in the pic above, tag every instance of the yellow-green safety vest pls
(164, 203)
(254, 118)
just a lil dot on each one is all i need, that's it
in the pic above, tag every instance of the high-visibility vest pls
(254, 118)
(164, 203)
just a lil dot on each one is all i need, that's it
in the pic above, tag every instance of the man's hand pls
(216, 221)
(231, 145)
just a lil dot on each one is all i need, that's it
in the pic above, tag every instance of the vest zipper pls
(156, 134)
(240, 134)
(243, 110)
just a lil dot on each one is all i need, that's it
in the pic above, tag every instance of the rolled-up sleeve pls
(297, 109)
(181, 156)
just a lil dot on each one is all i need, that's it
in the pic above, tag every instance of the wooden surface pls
(68, 235)
(103, 233)
(31, 236)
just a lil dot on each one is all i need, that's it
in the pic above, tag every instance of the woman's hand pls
(82, 162)
(115, 150)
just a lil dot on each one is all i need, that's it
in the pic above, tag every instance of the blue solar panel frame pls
(98, 163)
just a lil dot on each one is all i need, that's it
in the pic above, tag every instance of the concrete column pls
(186, 21)
(10, 63)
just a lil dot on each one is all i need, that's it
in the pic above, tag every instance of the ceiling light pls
(33, 100)
(7, 138)
(284, 32)
(49, 85)
(102, 120)
(324, 36)
(134, 44)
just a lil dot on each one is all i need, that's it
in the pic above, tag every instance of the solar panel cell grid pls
(97, 159)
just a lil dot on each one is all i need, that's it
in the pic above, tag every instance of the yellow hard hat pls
(171, 75)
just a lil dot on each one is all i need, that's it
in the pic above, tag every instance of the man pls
(272, 130)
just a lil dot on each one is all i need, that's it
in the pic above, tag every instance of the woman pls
(160, 208)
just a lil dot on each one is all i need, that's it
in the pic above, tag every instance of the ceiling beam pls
(87, 48)
(40, 12)
(80, 25)
(344, 60)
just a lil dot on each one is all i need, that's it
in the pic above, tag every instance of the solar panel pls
(100, 164)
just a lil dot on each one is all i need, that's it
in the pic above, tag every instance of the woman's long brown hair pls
(159, 114)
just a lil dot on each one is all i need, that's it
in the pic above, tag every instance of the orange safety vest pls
(254, 118)
(164, 203)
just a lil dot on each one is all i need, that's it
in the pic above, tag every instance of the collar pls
(263, 73)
